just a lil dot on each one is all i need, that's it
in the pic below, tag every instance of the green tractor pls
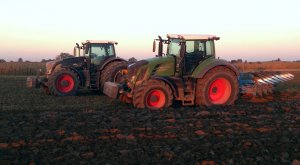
(189, 73)
(94, 62)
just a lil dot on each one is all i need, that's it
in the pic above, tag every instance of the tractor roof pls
(193, 36)
(100, 42)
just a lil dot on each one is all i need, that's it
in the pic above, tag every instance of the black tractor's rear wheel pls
(113, 72)
(152, 94)
(63, 83)
(218, 87)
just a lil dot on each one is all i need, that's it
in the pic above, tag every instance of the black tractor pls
(94, 62)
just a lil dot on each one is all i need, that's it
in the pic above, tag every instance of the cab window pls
(97, 51)
(174, 47)
(110, 50)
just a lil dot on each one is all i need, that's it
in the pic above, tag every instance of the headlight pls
(132, 78)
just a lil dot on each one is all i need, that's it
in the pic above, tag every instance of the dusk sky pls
(253, 30)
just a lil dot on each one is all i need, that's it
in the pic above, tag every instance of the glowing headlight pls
(132, 78)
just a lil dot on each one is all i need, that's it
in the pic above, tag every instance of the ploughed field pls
(91, 128)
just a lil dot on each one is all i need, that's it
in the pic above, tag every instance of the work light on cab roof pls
(193, 36)
(100, 42)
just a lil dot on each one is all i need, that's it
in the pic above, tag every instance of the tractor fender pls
(51, 66)
(204, 67)
(110, 60)
(170, 82)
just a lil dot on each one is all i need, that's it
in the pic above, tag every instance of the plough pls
(261, 83)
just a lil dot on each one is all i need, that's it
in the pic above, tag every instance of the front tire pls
(218, 87)
(152, 94)
(63, 83)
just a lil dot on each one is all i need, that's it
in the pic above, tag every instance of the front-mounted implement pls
(94, 63)
(188, 73)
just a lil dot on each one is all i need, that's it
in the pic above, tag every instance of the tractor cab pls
(189, 50)
(97, 51)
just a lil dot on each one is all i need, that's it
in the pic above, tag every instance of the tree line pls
(59, 57)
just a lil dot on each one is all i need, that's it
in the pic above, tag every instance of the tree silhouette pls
(63, 56)
(132, 60)
(44, 60)
(20, 59)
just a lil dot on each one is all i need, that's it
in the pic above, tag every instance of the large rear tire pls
(218, 87)
(63, 83)
(152, 94)
(113, 72)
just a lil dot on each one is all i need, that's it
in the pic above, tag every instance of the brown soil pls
(257, 131)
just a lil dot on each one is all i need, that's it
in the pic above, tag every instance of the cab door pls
(196, 52)
(193, 55)
(97, 54)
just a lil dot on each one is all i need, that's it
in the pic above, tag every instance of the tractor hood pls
(144, 69)
(66, 62)
(71, 60)
(161, 66)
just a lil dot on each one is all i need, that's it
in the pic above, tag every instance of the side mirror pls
(160, 39)
(74, 51)
(154, 46)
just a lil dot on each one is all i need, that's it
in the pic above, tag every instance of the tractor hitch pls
(112, 89)
(36, 82)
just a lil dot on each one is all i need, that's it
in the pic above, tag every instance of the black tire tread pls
(202, 84)
(141, 90)
(106, 73)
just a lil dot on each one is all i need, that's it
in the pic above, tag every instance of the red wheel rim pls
(65, 83)
(156, 99)
(219, 91)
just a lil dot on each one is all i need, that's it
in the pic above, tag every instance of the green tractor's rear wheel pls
(113, 72)
(218, 87)
(152, 94)
(63, 83)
